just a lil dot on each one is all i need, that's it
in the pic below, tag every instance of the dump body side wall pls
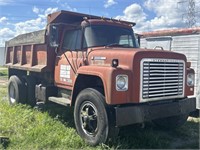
(27, 57)
(30, 52)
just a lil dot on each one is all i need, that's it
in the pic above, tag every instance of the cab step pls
(60, 100)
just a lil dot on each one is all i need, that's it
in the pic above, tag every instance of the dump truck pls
(94, 64)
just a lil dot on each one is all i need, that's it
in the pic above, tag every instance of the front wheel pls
(90, 117)
(171, 122)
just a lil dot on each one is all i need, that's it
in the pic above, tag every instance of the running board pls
(60, 100)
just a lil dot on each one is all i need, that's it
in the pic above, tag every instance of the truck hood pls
(127, 57)
(130, 60)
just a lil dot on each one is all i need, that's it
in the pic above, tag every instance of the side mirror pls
(54, 36)
(138, 37)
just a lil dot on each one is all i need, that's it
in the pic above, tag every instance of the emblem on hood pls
(98, 58)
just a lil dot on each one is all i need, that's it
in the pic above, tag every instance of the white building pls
(186, 41)
(2, 55)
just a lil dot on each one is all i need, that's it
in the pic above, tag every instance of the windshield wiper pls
(118, 45)
(114, 45)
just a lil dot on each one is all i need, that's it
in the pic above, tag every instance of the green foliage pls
(3, 92)
(3, 72)
(30, 129)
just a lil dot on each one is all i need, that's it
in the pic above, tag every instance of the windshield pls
(104, 35)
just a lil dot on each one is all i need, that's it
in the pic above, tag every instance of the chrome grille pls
(162, 79)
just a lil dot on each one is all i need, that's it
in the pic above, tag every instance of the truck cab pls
(95, 65)
(81, 50)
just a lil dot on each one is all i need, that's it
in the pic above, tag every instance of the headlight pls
(190, 79)
(122, 83)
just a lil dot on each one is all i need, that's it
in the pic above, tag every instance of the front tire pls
(171, 122)
(90, 117)
(16, 90)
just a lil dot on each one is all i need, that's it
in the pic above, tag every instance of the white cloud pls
(47, 12)
(162, 15)
(63, 4)
(166, 8)
(25, 26)
(133, 13)
(168, 14)
(50, 10)
(109, 3)
(34, 24)
(29, 26)
(5, 2)
(3, 19)
(6, 33)
(67, 7)
(36, 10)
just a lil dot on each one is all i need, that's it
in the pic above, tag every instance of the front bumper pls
(149, 111)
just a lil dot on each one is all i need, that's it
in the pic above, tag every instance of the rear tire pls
(171, 122)
(16, 90)
(90, 117)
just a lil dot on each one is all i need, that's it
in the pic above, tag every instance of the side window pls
(72, 40)
(126, 40)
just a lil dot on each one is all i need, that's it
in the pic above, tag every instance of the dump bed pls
(28, 52)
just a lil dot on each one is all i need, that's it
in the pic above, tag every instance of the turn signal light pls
(115, 63)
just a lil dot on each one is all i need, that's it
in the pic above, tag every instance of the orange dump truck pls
(95, 65)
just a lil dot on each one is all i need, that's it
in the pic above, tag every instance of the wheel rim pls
(12, 93)
(88, 118)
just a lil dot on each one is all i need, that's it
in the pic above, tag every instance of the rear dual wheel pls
(16, 90)
(21, 90)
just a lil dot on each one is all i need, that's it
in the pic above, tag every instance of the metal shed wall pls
(185, 44)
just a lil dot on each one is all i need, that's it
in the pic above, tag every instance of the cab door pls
(68, 59)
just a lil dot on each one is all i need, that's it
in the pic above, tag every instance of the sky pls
(22, 16)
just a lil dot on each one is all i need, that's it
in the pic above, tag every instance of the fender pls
(104, 73)
(108, 76)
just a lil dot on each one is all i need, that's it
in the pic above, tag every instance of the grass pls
(29, 128)
(53, 128)
(3, 72)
